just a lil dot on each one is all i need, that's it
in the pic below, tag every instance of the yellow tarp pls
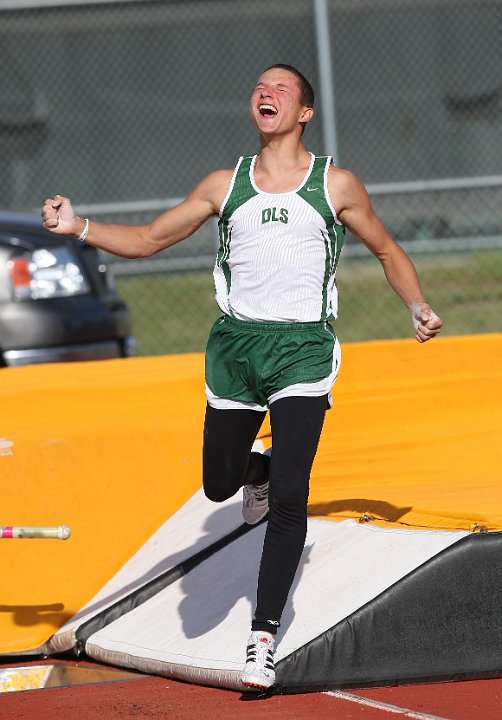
(110, 449)
(414, 437)
(113, 448)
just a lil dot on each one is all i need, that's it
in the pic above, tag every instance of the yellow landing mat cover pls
(113, 448)
(414, 436)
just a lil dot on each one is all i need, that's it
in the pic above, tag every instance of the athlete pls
(282, 216)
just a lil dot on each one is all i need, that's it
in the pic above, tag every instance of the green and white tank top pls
(278, 252)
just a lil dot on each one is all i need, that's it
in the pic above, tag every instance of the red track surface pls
(155, 697)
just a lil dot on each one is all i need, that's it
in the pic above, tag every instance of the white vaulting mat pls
(196, 628)
(194, 527)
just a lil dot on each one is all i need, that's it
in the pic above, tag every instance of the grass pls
(173, 312)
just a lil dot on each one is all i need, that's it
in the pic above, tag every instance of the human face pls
(276, 106)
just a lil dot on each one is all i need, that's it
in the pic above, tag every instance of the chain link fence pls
(125, 106)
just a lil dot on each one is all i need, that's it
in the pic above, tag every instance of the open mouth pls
(267, 110)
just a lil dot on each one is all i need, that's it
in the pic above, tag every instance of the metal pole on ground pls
(47, 532)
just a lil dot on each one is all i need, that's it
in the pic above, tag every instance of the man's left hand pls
(425, 321)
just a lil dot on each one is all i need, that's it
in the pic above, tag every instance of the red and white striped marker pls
(59, 532)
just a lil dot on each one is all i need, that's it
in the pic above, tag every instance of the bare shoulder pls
(345, 188)
(218, 177)
(213, 188)
(343, 180)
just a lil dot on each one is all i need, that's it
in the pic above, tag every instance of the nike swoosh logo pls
(309, 189)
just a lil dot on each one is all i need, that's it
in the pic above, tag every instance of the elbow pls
(145, 252)
(388, 253)
(382, 256)
(136, 252)
(147, 246)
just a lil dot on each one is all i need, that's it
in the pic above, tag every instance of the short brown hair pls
(306, 90)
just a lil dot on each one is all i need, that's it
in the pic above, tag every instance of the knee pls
(288, 501)
(222, 477)
(217, 495)
(218, 485)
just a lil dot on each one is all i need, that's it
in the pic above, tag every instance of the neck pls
(281, 153)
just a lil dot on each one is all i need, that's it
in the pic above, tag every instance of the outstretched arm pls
(354, 209)
(133, 241)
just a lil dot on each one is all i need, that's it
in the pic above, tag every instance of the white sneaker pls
(255, 500)
(259, 671)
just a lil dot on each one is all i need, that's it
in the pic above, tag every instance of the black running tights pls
(228, 464)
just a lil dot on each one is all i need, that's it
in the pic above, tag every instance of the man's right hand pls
(59, 217)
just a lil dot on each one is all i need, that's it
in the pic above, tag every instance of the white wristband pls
(85, 231)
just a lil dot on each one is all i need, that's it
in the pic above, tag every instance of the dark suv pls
(56, 300)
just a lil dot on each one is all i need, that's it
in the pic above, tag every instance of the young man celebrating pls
(282, 216)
